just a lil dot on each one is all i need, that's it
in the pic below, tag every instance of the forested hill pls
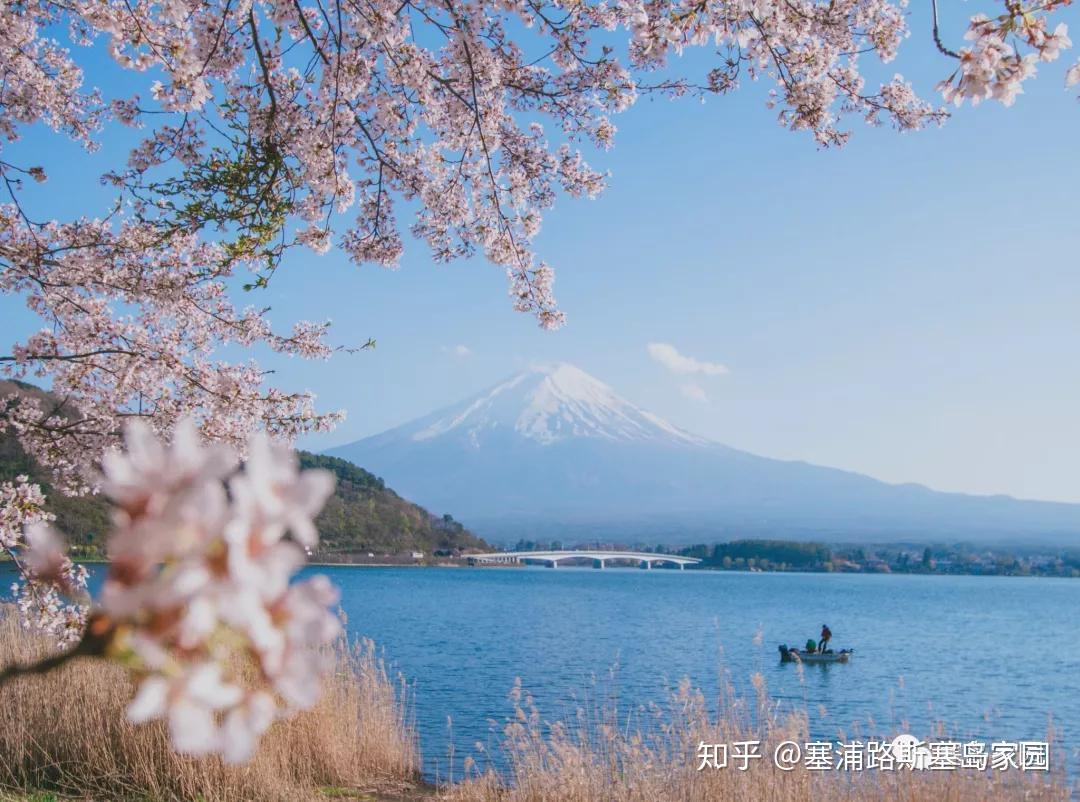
(84, 521)
(363, 516)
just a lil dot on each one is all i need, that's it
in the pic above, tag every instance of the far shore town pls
(780, 555)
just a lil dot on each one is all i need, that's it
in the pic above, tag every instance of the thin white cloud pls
(668, 356)
(460, 351)
(695, 393)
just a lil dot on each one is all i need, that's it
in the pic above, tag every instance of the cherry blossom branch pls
(267, 80)
(37, 669)
(50, 357)
(937, 34)
(92, 643)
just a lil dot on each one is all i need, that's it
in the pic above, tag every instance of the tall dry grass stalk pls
(600, 757)
(66, 732)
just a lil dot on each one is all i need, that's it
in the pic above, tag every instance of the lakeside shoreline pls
(4, 560)
(705, 569)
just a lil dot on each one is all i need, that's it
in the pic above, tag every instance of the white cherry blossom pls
(199, 586)
(190, 703)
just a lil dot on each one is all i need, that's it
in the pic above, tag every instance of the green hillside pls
(363, 516)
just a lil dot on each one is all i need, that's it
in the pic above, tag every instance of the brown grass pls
(66, 732)
(601, 758)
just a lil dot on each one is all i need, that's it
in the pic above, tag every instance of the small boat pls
(796, 656)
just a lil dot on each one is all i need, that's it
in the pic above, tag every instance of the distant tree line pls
(764, 554)
(959, 558)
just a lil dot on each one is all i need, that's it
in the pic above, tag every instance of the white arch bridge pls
(600, 558)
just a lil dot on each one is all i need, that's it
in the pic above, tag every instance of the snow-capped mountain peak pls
(549, 404)
(555, 453)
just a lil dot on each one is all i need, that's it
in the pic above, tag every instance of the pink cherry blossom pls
(278, 496)
(265, 131)
(48, 579)
(995, 65)
(189, 702)
(1072, 77)
(199, 584)
(22, 504)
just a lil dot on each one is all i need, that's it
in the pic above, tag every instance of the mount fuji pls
(555, 453)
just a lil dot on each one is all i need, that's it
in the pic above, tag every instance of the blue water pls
(990, 657)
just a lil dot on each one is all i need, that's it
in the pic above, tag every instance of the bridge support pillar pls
(553, 564)
(646, 565)
(682, 566)
(598, 564)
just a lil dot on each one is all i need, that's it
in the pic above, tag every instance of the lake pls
(990, 657)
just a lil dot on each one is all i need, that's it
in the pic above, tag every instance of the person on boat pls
(811, 647)
(826, 635)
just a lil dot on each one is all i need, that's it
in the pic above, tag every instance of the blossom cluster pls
(199, 600)
(290, 123)
(994, 65)
(22, 504)
(134, 322)
(51, 587)
(808, 50)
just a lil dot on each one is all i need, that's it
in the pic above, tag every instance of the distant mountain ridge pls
(554, 452)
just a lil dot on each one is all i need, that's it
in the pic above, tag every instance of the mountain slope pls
(553, 452)
(363, 514)
(85, 521)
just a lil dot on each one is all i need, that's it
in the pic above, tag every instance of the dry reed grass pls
(66, 732)
(599, 758)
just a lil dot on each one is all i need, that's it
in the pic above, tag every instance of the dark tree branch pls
(937, 34)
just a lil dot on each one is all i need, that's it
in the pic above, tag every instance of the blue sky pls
(906, 307)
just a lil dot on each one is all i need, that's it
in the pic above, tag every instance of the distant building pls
(417, 555)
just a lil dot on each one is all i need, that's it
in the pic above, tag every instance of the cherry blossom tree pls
(264, 127)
